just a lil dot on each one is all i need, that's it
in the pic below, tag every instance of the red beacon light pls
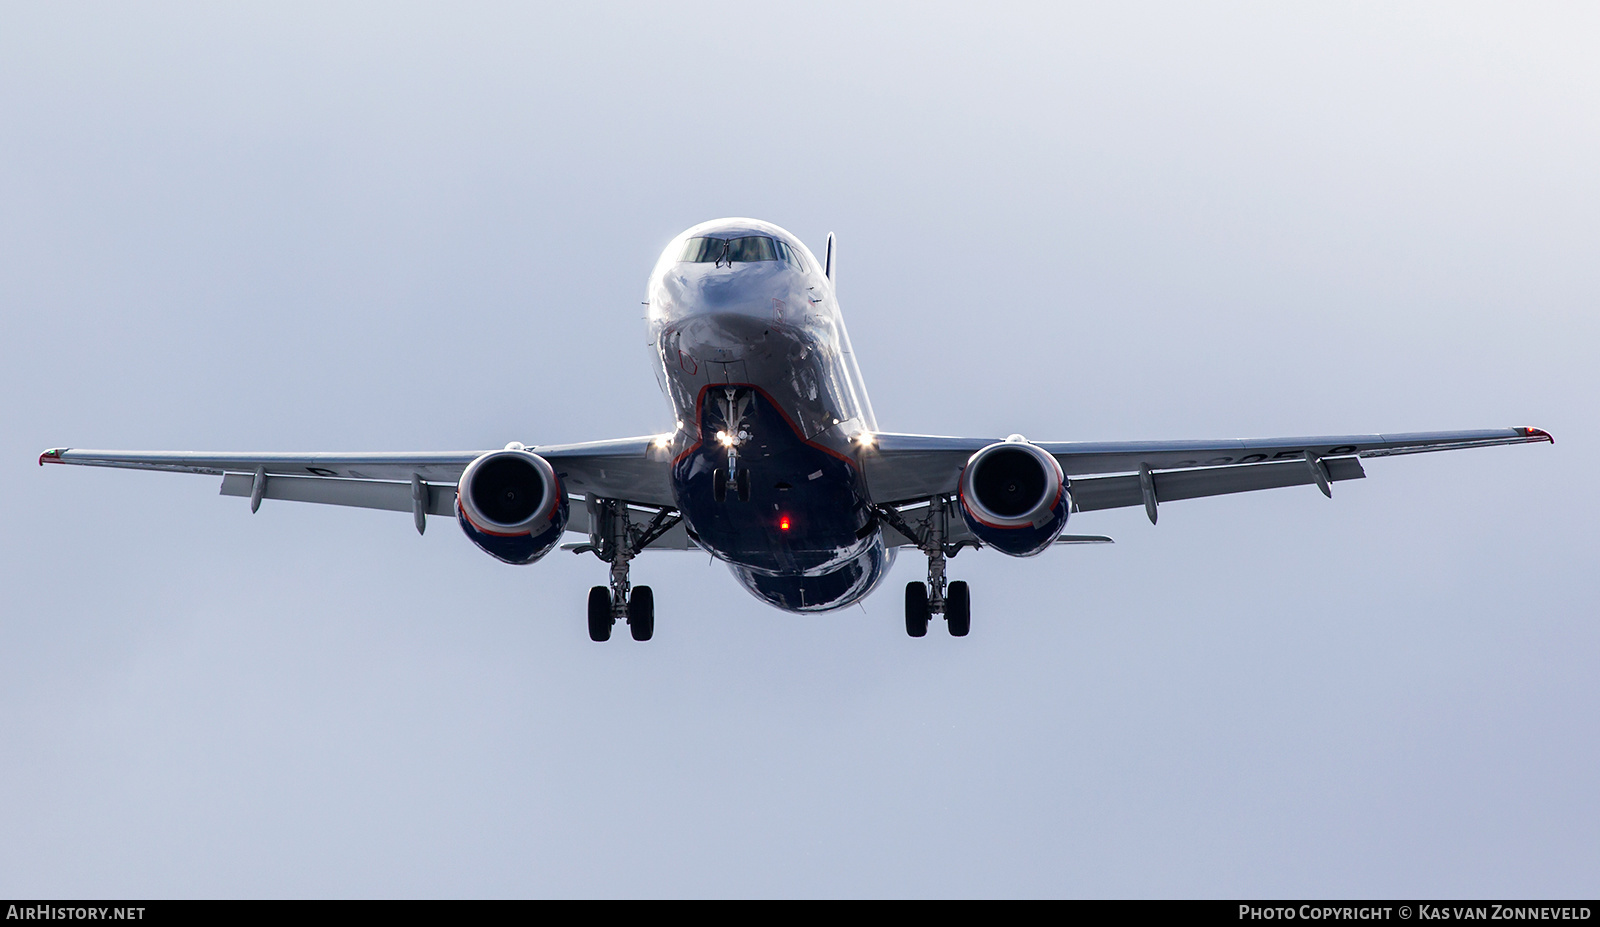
(783, 523)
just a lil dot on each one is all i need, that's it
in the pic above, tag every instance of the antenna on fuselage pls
(827, 261)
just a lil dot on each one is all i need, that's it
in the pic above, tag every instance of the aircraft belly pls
(846, 585)
(812, 489)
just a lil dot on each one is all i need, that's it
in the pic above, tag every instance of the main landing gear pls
(614, 539)
(936, 596)
(957, 608)
(639, 610)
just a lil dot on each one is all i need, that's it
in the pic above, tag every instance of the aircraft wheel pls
(719, 484)
(744, 485)
(916, 609)
(599, 614)
(642, 613)
(958, 608)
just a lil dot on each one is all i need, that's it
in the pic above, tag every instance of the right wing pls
(905, 468)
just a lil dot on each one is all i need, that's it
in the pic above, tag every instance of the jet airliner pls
(775, 464)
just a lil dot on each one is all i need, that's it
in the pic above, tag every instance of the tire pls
(958, 609)
(916, 609)
(599, 614)
(642, 613)
(719, 484)
(744, 485)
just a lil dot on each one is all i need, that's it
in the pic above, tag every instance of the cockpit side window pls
(791, 256)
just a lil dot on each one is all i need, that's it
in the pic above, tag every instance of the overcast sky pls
(393, 227)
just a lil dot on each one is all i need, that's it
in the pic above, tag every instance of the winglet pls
(53, 455)
(1538, 433)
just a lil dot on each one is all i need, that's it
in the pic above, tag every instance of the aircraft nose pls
(724, 336)
(753, 289)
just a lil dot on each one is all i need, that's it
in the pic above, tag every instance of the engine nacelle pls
(1014, 497)
(512, 504)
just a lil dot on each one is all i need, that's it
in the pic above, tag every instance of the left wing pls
(903, 468)
(442, 466)
(630, 469)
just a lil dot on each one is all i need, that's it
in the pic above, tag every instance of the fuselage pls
(752, 353)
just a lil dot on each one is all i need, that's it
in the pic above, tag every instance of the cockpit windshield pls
(746, 249)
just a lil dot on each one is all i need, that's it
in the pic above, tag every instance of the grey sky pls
(387, 228)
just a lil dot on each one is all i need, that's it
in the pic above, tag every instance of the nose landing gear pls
(733, 476)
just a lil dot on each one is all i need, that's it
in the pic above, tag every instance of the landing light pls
(663, 442)
(865, 439)
(725, 439)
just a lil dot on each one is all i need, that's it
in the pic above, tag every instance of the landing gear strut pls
(732, 477)
(953, 600)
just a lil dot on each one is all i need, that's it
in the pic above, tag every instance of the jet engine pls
(512, 504)
(1014, 497)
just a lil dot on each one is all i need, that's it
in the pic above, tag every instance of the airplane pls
(775, 464)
